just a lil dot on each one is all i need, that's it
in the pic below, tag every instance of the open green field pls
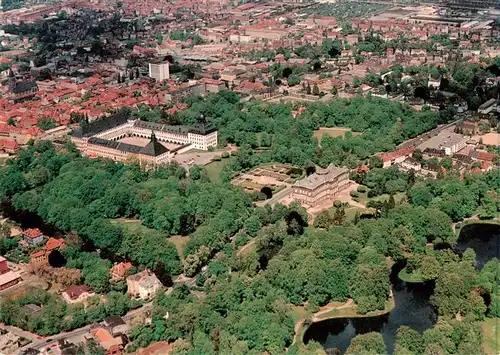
(398, 197)
(135, 226)
(214, 169)
(333, 132)
(491, 333)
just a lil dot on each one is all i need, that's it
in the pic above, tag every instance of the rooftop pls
(113, 321)
(102, 124)
(321, 176)
(76, 291)
(443, 140)
(9, 277)
(32, 233)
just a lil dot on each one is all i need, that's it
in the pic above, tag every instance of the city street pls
(41, 343)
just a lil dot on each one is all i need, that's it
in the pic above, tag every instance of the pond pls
(412, 306)
(484, 238)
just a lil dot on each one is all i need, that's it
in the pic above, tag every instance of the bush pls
(367, 304)
(217, 158)
(337, 203)
(225, 155)
(354, 194)
(241, 239)
(458, 225)
(361, 189)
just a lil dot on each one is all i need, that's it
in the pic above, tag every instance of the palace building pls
(105, 138)
(323, 185)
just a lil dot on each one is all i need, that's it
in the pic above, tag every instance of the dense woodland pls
(248, 295)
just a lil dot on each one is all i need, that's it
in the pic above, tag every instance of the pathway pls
(276, 197)
(316, 316)
(330, 307)
(245, 247)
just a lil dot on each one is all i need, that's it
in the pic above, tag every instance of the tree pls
(323, 220)
(375, 162)
(488, 208)
(293, 79)
(369, 343)
(46, 123)
(429, 267)
(315, 90)
(447, 163)
(339, 216)
(253, 225)
(450, 294)
(408, 339)
(159, 38)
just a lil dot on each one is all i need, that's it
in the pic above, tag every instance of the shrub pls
(217, 158)
(241, 239)
(458, 225)
(225, 155)
(354, 194)
(361, 189)
(337, 203)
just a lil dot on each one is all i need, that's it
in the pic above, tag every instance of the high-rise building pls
(159, 72)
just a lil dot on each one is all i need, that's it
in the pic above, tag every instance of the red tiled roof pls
(38, 254)
(485, 156)
(76, 291)
(120, 269)
(396, 154)
(54, 243)
(32, 233)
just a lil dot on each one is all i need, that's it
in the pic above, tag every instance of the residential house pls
(33, 236)
(8, 145)
(39, 258)
(77, 293)
(487, 107)
(143, 285)
(410, 164)
(116, 325)
(397, 156)
(483, 156)
(111, 344)
(53, 244)
(8, 278)
(119, 270)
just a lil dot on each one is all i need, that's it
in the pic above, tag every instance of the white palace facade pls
(102, 138)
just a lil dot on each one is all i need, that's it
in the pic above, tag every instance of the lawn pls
(214, 169)
(491, 335)
(135, 226)
(333, 132)
(414, 277)
(398, 197)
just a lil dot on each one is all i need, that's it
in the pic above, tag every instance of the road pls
(40, 343)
